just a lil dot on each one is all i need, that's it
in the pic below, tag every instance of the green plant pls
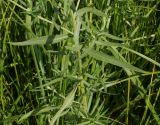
(81, 62)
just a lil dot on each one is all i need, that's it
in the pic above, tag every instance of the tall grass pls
(84, 62)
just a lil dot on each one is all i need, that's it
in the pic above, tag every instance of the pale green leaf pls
(112, 60)
(80, 12)
(143, 56)
(125, 47)
(66, 104)
(41, 40)
(25, 116)
(111, 36)
(51, 82)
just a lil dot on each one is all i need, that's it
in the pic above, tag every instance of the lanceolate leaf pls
(35, 112)
(80, 12)
(41, 40)
(143, 56)
(125, 47)
(110, 44)
(112, 60)
(66, 104)
(111, 36)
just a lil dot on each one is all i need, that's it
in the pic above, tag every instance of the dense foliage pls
(79, 62)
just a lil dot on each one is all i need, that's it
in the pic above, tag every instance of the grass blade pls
(110, 59)
(41, 40)
(67, 103)
(84, 10)
(131, 50)
(113, 37)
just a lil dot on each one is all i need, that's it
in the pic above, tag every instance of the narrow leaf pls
(67, 103)
(143, 56)
(125, 47)
(41, 40)
(35, 112)
(51, 82)
(110, 44)
(80, 12)
(112, 36)
(25, 116)
(110, 59)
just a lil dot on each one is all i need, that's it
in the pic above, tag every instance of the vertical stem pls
(38, 71)
(1, 91)
(29, 35)
(90, 15)
(128, 100)
(81, 88)
(77, 5)
(148, 98)
(4, 50)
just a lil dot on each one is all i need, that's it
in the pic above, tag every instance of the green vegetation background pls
(79, 62)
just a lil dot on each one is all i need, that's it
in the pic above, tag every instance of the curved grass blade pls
(41, 40)
(113, 37)
(34, 112)
(9, 119)
(51, 82)
(84, 10)
(143, 56)
(131, 50)
(25, 116)
(66, 104)
(110, 59)
(110, 44)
